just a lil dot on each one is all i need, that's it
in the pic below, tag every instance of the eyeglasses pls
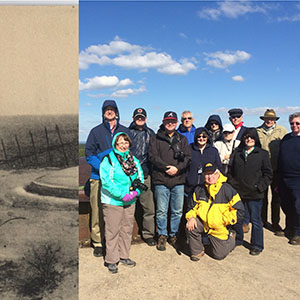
(188, 118)
(295, 123)
(123, 143)
(202, 136)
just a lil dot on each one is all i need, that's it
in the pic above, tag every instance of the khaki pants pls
(118, 231)
(217, 249)
(97, 222)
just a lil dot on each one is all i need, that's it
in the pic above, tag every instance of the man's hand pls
(171, 170)
(191, 224)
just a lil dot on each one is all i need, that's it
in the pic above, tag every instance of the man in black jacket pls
(141, 135)
(170, 154)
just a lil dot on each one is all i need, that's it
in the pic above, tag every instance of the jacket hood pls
(253, 133)
(113, 144)
(198, 131)
(113, 104)
(215, 118)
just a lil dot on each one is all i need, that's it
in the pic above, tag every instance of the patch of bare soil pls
(274, 274)
(39, 241)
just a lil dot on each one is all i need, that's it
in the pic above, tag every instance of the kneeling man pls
(218, 206)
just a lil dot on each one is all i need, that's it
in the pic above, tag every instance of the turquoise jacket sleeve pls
(106, 175)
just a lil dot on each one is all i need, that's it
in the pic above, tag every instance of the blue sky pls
(206, 57)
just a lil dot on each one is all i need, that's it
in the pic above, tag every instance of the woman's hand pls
(130, 196)
(191, 224)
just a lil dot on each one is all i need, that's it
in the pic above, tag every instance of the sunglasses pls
(248, 137)
(202, 136)
(213, 123)
(295, 123)
(227, 132)
(188, 118)
(236, 117)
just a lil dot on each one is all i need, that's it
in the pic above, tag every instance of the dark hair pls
(251, 132)
(126, 138)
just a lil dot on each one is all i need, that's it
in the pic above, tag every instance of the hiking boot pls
(161, 243)
(150, 241)
(98, 252)
(246, 228)
(255, 251)
(295, 240)
(112, 268)
(128, 262)
(172, 241)
(197, 256)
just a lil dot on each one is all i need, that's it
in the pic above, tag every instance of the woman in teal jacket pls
(117, 172)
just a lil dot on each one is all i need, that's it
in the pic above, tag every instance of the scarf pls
(128, 165)
(239, 125)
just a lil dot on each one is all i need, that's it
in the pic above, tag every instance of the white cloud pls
(127, 92)
(125, 55)
(103, 82)
(231, 10)
(182, 35)
(125, 82)
(224, 59)
(258, 111)
(294, 18)
(238, 78)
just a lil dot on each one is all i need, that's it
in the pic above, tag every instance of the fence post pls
(62, 145)
(5, 154)
(20, 152)
(34, 150)
(48, 146)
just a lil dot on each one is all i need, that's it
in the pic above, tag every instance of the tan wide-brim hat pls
(269, 113)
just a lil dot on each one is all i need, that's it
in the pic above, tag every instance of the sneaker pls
(246, 228)
(150, 242)
(295, 240)
(172, 241)
(98, 252)
(128, 262)
(197, 256)
(255, 251)
(161, 243)
(113, 268)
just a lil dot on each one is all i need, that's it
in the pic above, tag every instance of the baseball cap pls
(139, 112)
(209, 167)
(170, 115)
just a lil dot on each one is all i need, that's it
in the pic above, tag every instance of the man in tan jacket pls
(270, 135)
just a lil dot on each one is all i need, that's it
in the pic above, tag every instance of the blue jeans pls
(257, 233)
(166, 197)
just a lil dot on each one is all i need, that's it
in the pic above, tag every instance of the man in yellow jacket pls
(218, 206)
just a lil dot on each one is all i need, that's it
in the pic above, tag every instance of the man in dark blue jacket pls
(141, 134)
(289, 179)
(99, 144)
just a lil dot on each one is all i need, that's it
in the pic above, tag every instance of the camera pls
(178, 154)
(137, 184)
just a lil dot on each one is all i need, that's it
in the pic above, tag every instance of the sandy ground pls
(28, 223)
(274, 274)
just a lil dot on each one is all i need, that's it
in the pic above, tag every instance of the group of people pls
(203, 186)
